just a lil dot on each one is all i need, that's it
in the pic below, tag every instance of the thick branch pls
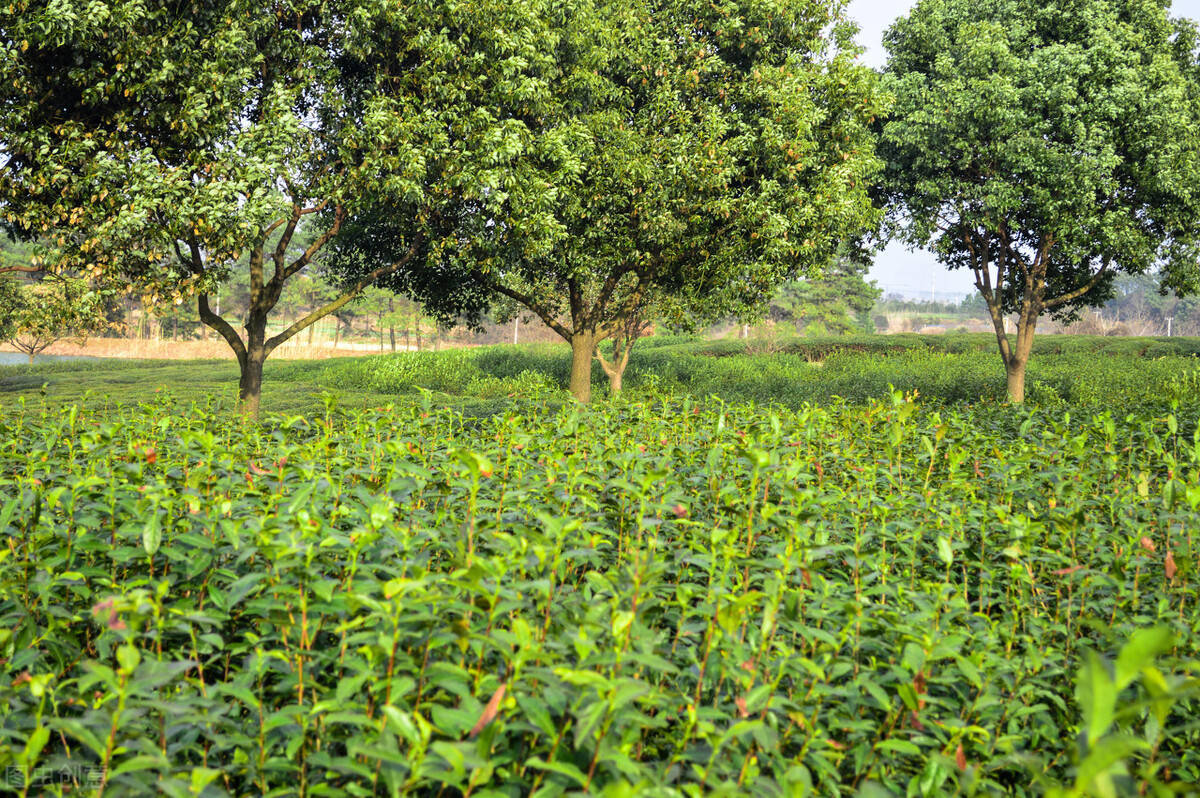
(609, 368)
(992, 295)
(285, 238)
(1078, 292)
(195, 264)
(346, 297)
(528, 302)
(606, 291)
(628, 309)
(223, 328)
(22, 269)
(306, 257)
(575, 299)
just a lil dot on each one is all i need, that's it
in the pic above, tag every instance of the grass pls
(1076, 371)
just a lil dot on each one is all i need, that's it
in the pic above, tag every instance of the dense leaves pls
(677, 597)
(1046, 146)
(36, 313)
(707, 153)
(184, 141)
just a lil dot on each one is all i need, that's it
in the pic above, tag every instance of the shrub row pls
(635, 598)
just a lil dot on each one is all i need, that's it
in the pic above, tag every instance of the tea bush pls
(676, 598)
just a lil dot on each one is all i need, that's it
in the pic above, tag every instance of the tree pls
(717, 150)
(837, 300)
(186, 142)
(10, 300)
(36, 314)
(1046, 146)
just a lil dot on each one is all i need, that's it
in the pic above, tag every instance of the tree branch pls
(223, 328)
(606, 291)
(195, 264)
(273, 226)
(306, 257)
(1078, 292)
(576, 302)
(528, 302)
(22, 269)
(346, 297)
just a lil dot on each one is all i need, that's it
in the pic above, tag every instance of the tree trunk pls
(583, 348)
(31, 358)
(1019, 357)
(250, 384)
(392, 335)
(1016, 380)
(615, 370)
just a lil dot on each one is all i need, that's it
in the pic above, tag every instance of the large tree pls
(1046, 145)
(167, 145)
(720, 148)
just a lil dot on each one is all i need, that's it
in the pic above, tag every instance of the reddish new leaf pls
(490, 711)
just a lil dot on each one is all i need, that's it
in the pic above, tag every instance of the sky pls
(896, 270)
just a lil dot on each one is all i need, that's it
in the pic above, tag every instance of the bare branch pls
(346, 297)
(22, 269)
(606, 291)
(285, 238)
(541, 312)
(273, 226)
(223, 328)
(1078, 292)
(306, 257)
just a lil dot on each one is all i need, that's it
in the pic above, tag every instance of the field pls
(843, 569)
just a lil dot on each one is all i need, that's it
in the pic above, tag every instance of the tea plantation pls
(753, 575)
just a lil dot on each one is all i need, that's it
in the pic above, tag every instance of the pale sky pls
(897, 270)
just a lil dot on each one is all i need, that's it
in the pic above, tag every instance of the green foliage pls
(702, 151)
(1046, 146)
(248, 132)
(1027, 131)
(34, 315)
(684, 598)
(837, 300)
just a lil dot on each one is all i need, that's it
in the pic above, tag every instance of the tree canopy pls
(1046, 146)
(189, 140)
(713, 152)
(34, 313)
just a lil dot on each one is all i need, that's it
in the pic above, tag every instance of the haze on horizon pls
(896, 270)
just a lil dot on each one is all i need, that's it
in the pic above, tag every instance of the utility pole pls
(516, 324)
(1169, 320)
